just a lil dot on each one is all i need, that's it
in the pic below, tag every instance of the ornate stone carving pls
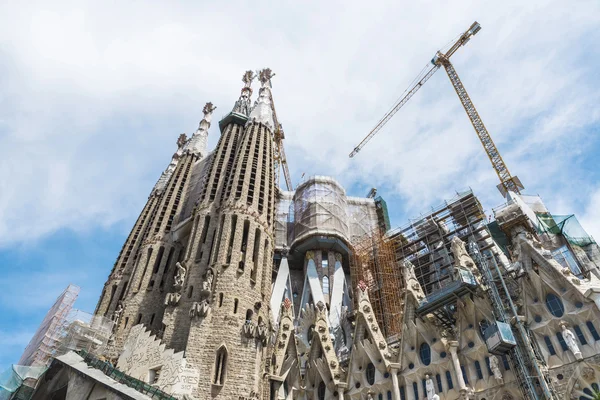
(462, 259)
(200, 309)
(430, 389)
(172, 299)
(208, 281)
(262, 332)
(249, 328)
(571, 341)
(117, 313)
(181, 273)
(495, 367)
(588, 373)
(412, 283)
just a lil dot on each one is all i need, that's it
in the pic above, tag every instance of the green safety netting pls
(12, 379)
(566, 225)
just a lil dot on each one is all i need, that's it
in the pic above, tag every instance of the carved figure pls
(181, 140)
(462, 258)
(208, 281)
(569, 337)
(495, 367)
(117, 313)
(181, 272)
(430, 389)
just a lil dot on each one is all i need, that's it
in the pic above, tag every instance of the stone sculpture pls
(208, 281)
(181, 272)
(430, 389)
(117, 313)
(495, 367)
(571, 341)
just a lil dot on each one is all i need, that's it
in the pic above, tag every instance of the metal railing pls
(113, 373)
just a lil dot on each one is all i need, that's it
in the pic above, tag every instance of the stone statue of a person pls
(571, 341)
(117, 313)
(495, 367)
(181, 272)
(430, 389)
(207, 284)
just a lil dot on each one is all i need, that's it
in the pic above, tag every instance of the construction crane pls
(507, 181)
(279, 153)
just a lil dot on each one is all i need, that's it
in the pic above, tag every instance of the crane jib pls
(507, 181)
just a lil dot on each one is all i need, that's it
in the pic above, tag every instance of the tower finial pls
(263, 111)
(264, 76)
(197, 144)
(208, 110)
(248, 78)
(242, 106)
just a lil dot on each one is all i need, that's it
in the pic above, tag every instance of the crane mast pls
(507, 181)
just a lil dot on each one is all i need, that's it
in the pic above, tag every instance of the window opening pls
(370, 373)
(425, 353)
(592, 330)
(235, 306)
(555, 305)
(449, 380)
(580, 335)
(220, 367)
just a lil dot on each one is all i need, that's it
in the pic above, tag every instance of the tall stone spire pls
(243, 105)
(198, 142)
(262, 111)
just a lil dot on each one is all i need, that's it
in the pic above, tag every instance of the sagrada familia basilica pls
(229, 287)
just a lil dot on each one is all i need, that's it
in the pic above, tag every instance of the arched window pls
(464, 374)
(322, 390)
(593, 330)
(235, 306)
(220, 366)
(425, 353)
(249, 315)
(416, 390)
(549, 345)
(555, 305)
(438, 378)
(402, 393)
(370, 372)
(580, 335)
(380, 396)
(489, 368)
(449, 380)
(190, 292)
(478, 370)
(389, 395)
(562, 342)
(325, 285)
(220, 299)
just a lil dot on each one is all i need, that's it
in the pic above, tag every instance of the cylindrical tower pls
(229, 316)
(152, 272)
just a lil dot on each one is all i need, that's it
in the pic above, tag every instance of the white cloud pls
(93, 97)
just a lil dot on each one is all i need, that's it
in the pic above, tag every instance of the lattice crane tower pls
(507, 181)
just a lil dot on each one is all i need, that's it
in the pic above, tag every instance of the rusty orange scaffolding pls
(374, 262)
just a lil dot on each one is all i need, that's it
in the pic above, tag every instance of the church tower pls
(218, 312)
(141, 280)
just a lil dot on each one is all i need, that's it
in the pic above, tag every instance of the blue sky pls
(93, 97)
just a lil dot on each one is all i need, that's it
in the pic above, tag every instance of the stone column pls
(340, 391)
(452, 347)
(394, 368)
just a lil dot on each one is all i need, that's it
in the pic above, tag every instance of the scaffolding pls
(374, 262)
(42, 346)
(425, 241)
(64, 329)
